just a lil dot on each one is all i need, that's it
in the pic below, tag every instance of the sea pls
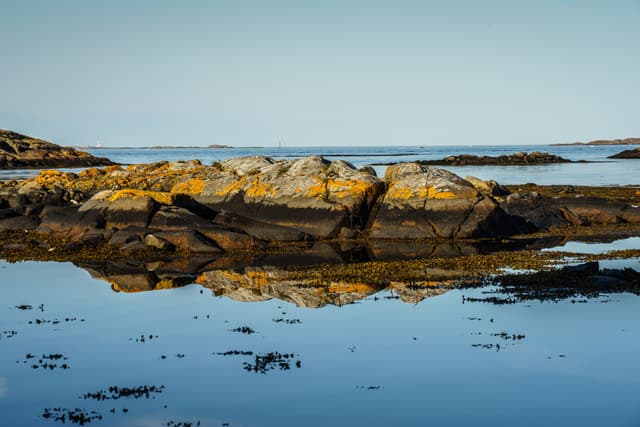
(76, 349)
(599, 171)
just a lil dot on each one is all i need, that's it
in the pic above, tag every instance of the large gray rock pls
(423, 202)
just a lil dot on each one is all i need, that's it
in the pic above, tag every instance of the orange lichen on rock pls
(342, 188)
(402, 192)
(232, 188)
(258, 278)
(160, 197)
(190, 186)
(260, 189)
(355, 288)
(318, 190)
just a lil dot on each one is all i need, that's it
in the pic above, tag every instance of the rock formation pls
(253, 202)
(627, 154)
(22, 152)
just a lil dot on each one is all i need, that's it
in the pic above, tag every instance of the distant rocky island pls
(627, 154)
(19, 151)
(625, 141)
(521, 158)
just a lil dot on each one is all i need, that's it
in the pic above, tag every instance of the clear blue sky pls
(320, 72)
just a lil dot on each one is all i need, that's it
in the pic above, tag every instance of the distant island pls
(625, 141)
(517, 159)
(156, 147)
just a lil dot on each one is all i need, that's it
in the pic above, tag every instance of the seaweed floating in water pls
(287, 321)
(582, 281)
(272, 360)
(74, 416)
(46, 361)
(236, 353)
(115, 393)
(244, 330)
(182, 424)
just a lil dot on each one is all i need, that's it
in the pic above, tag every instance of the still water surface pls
(602, 171)
(377, 362)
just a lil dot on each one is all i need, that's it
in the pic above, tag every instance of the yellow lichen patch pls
(201, 279)
(234, 277)
(158, 196)
(234, 187)
(260, 189)
(51, 178)
(258, 278)
(432, 193)
(91, 173)
(398, 192)
(355, 288)
(317, 190)
(341, 188)
(164, 284)
(402, 192)
(190, 186)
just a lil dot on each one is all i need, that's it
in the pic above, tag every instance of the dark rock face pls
(627, 154)
(20, 151)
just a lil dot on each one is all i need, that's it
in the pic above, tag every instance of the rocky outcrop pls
(22, 152)
(253, 202)
(521, 158)
(627, 154)
(425, 203)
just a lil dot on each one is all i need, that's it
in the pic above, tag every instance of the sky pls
(320, 73)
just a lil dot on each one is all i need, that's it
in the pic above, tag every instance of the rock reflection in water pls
(253, 278)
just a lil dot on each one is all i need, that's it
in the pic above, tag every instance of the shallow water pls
(379, 361)
(602, 172)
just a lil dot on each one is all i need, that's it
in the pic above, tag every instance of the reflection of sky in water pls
(4, 389)
(438, 378)
(598, 248)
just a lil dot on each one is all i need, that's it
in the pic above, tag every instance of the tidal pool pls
(185, 356)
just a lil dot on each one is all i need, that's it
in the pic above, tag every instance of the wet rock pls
(20, 223)
(536, 212)
(157, 242)
(261, 230)
(69, 220)
(191, 240)
(596, 210)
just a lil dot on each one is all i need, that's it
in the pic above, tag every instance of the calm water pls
(377, 362)
(604, 172)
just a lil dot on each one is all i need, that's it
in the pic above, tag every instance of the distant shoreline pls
(625, 141)
(158, 147)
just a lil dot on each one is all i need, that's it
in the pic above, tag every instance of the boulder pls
(309, 195)
(424, 202)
